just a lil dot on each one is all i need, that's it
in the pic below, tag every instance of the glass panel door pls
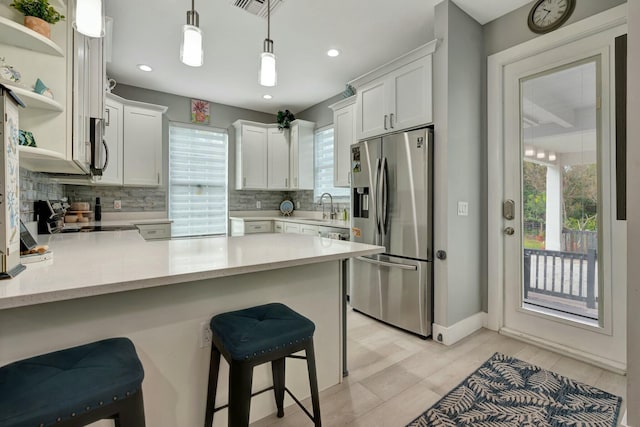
(559, 131)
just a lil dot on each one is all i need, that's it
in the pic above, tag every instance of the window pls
(197, 180)
(323, 177)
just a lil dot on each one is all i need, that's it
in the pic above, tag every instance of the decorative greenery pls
(348, 91)
(284, 119)
(39, 9)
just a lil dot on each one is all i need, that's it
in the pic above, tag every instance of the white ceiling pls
(369, 33)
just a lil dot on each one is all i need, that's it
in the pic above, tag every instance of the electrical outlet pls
(463, 209)
(297, 204)
(205, 335)
(117, 204)
(258, 204)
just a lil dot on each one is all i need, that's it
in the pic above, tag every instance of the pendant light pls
(89, 19)
(267, 58)
(191, 49)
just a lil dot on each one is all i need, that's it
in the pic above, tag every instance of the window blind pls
(198, 200)
(323, 147)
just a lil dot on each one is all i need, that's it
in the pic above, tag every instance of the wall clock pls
(548, 15)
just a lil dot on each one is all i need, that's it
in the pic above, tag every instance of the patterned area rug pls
(506, 392)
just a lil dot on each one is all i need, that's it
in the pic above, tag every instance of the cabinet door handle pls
(158, 177)
(385, 122)
(391, 120)
(108, 121)
(286, 182)
(244, 181)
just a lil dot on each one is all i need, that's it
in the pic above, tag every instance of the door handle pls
(388, 264)
(385, 122)
(509, 231)
(509, 209)
(384, 193)
(391, 120)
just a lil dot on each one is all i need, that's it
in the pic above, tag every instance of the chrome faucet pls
(332, 214)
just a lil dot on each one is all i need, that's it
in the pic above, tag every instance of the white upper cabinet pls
(268, 158)
(277, 159)
(142, 145)
(251, 156)
(344, 134)
(373, 109)
(396, 96)
(301, 155)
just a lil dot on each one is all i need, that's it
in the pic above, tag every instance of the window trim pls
(336, 199)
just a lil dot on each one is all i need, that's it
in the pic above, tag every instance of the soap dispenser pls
(98, 209)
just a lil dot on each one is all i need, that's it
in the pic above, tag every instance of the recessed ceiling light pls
(267, 96)
(144, 67)
(333, 52)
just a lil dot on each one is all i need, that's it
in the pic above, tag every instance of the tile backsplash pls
(36, 186)
(134, 199)
(39, 186)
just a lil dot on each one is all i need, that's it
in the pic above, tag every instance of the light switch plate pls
(463, 209)
(258, 204)
(117, 204)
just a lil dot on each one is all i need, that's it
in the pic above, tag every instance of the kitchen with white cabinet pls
(284, 229)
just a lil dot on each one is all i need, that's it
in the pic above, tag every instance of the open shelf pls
(15, 34)
(34, 100)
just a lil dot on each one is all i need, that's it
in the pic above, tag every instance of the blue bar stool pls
(74, 387)
(251, 337)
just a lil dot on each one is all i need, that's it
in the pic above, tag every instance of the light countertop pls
(88, 264)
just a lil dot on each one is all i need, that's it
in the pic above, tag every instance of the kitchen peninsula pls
(160, 294)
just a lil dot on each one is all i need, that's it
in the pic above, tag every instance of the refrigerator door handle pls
(388, 264)
(376, 200)
(384, 178)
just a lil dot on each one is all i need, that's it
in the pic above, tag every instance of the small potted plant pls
(38, 15)
(284, 119)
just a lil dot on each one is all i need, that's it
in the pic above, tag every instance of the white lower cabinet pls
(155, 231)
(240, 227)
(291, 227)
(309, 229)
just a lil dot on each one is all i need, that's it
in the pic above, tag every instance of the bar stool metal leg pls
(278, 373)
(132, 413)
(313, 383)
(214, 369)
(240, 381)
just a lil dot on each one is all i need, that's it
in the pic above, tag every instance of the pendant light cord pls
(268, 19)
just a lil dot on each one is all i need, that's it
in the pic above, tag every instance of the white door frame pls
(495, 151)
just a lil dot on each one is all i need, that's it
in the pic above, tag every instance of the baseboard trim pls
(600, 362)
(623, 423)
(454, 333)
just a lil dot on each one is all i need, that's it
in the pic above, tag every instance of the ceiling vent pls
(257, 7)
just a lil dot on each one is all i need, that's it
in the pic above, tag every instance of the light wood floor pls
(395, 376)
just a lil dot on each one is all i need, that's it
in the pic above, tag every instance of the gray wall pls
(458, 102)
(320, 113)
(633, 216)
(511, 29)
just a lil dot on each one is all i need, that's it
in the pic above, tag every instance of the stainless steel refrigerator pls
(391, 205)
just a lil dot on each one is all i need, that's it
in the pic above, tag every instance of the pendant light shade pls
(89, 19)
(191, 52)
(268, 75)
